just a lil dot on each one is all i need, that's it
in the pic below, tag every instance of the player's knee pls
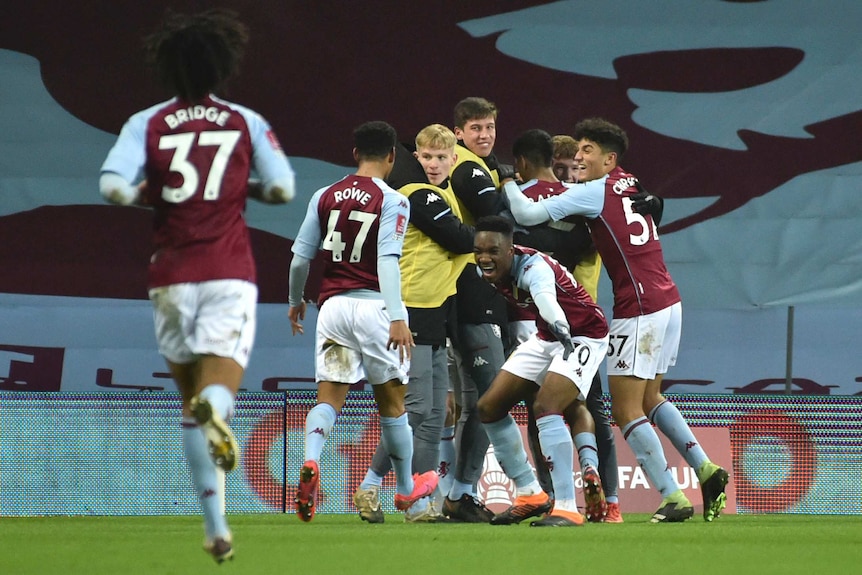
(488, 412)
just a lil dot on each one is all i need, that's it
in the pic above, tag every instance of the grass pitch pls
(343, 545)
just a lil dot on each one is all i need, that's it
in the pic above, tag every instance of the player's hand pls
(400, 337)
(644, 202)
(505, 172)
(296, 313)
(142, 199)
(561, 332)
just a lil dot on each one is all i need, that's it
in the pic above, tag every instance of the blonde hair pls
(564, 146)
(436, 137)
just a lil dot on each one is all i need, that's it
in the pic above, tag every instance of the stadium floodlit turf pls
(344, 545)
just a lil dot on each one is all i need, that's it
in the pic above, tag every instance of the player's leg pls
(626, 404)
(504, 434)
(419, 403)
(555, 395)
(425, 402)
(398, 441)
(519, 332)
(667, 326)
(428, 438)
(607, 450)
(318, 424)
(207, 477)
(630, 366)
(338, 363)
(481, 350)
(539, 460)
(671, 423)
(218, 319)
(446, 465)
(515, 381)
(371, 328)
(564, 387)
(206, 331)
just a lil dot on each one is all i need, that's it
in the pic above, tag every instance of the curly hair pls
(609, 136)
(195, 54)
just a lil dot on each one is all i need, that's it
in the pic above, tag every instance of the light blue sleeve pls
(587, 199)
(389, 276)
(394, 215)
(269, 161)
(307, 241)
(525, 211)
(579, 199)
(299, 268)
(128, 155)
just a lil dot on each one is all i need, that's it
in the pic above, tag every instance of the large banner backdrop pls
(745, 123)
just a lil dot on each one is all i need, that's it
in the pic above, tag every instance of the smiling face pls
(437, 163)
(494, 255)
(564, 169)
(479, 135)
(592, 162)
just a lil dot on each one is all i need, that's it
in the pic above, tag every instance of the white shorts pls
(351, 343)
(207, 318)
(645, 346)
(536, 357)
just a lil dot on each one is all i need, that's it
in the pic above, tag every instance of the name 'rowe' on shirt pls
(360, 196)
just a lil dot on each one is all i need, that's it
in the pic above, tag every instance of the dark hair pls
(536, 146)
(473, 108)
(497, 224)
(606, 134)
(374, 140)
(195, 54)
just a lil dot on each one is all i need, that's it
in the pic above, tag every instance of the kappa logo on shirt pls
(621, 364)
(478, 173)
(432, 197)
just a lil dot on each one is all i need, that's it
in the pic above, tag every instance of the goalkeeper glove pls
(561, 332)
(644, 202)
(505, 171)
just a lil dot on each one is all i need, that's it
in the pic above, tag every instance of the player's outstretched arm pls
(526, 212)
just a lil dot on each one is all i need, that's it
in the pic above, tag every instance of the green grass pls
(343, 545)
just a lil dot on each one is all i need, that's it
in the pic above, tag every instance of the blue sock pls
(318, 424)
(371, 480)
(446, 468)
(458, 489)
(509, 450)
(670, 421)
(397, 437)
(647, 448)
(220, 398)
(208, 481)
(557, 447)
(588, 451)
